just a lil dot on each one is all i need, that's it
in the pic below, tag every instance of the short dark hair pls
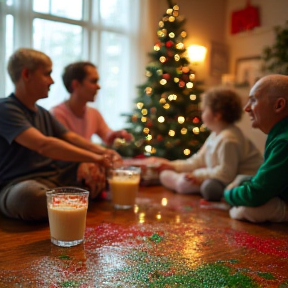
(75, 71)
(224, 101)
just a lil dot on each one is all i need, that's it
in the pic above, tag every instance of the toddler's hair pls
(224, 101)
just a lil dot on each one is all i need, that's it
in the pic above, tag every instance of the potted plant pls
(275, 57)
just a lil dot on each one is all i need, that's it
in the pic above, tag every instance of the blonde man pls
(37, 152)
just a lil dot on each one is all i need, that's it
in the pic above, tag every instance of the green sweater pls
(271, 179)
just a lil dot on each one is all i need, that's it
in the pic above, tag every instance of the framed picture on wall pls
(219, 62)
(248, 71)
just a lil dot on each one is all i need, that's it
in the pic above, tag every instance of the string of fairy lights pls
(184, 78)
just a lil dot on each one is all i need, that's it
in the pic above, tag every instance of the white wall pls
(251, 43)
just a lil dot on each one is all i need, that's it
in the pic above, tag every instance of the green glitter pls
(70, 284)
(234, 261)
(154, 271)
(156, 238)
(65, 257)
(187, 208)
(267, 276)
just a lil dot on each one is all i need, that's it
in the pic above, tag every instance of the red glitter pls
(114, 233)
(269, 246)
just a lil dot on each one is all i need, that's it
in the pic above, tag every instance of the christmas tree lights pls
(166, 121)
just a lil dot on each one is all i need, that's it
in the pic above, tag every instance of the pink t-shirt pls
(91, 123)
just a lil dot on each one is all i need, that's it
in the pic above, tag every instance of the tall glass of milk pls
(67, 209)
(124, 185)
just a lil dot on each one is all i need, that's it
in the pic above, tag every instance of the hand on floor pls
(93, 177)
(237, 181)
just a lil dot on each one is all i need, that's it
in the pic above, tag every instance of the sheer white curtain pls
(2, 48)
(122, 66)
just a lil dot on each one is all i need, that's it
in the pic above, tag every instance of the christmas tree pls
(275, 57)
(166, 121)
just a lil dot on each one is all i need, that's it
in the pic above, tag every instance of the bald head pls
(272, 86)
(268, 102)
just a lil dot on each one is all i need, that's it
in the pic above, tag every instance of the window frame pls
(23, 14)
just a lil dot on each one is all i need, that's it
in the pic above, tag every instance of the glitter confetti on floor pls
(163, 255)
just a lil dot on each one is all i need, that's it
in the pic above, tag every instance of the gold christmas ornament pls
(187, 152)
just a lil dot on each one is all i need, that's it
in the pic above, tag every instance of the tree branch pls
(170, 4)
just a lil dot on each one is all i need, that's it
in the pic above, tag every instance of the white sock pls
(177, 182)
(275, 210)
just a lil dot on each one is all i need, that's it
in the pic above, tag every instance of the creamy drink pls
(67, 209)
(124, 185)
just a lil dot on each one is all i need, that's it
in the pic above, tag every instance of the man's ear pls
(74, 84)
(280, 105)
(25, 74)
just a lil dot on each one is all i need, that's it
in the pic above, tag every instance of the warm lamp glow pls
(196, 53)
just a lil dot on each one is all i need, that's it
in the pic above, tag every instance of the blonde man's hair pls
(25, 58)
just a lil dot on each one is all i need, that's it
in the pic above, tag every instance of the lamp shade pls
(196, 53)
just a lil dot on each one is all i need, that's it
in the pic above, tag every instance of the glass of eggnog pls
(124, 186)
(67, 209)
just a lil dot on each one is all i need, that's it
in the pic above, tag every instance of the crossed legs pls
(26, 200)
(210, 189)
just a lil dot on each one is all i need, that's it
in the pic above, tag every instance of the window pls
(9, 48)
(101, 31)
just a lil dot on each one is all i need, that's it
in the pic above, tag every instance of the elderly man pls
(36, 151)
(265, 196)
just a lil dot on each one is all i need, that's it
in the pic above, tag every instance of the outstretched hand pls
(123, 134)
(93, 176)
(114, 158)
(165, 166)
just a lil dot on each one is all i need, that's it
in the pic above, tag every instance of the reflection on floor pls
(162, 244)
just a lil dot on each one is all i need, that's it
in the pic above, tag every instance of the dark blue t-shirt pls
(16, 160)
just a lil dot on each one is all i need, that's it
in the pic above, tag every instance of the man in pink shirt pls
(81, 81)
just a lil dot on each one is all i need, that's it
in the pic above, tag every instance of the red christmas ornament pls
(166, 76)
(149, 124)
(196, 120)
(169, 44)
(159, 138)
(181, 84)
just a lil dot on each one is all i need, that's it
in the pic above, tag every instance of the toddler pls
(225, 154)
